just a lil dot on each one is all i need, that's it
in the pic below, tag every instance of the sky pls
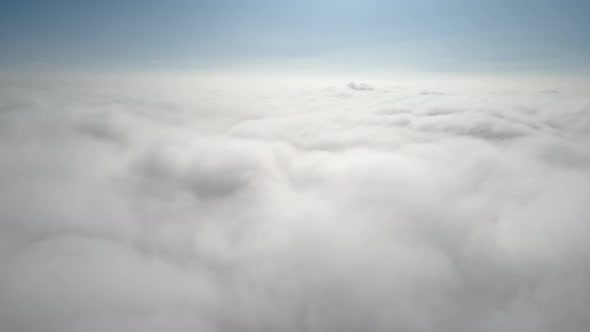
(319, 36)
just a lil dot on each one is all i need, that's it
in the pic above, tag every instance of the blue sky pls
(449, 36)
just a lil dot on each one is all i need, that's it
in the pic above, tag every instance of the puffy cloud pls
(360, 86)
(293, 210)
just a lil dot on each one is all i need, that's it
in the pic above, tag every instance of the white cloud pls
(293, 210)
(360, 86)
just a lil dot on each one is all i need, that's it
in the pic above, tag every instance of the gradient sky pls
(449, 36)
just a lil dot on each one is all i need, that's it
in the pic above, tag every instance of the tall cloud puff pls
(293, 211)
(360, 86)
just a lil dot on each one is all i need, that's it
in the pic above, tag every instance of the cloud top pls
(293, 210)
(360, 86)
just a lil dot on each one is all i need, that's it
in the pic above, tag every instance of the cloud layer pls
(300, 209)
